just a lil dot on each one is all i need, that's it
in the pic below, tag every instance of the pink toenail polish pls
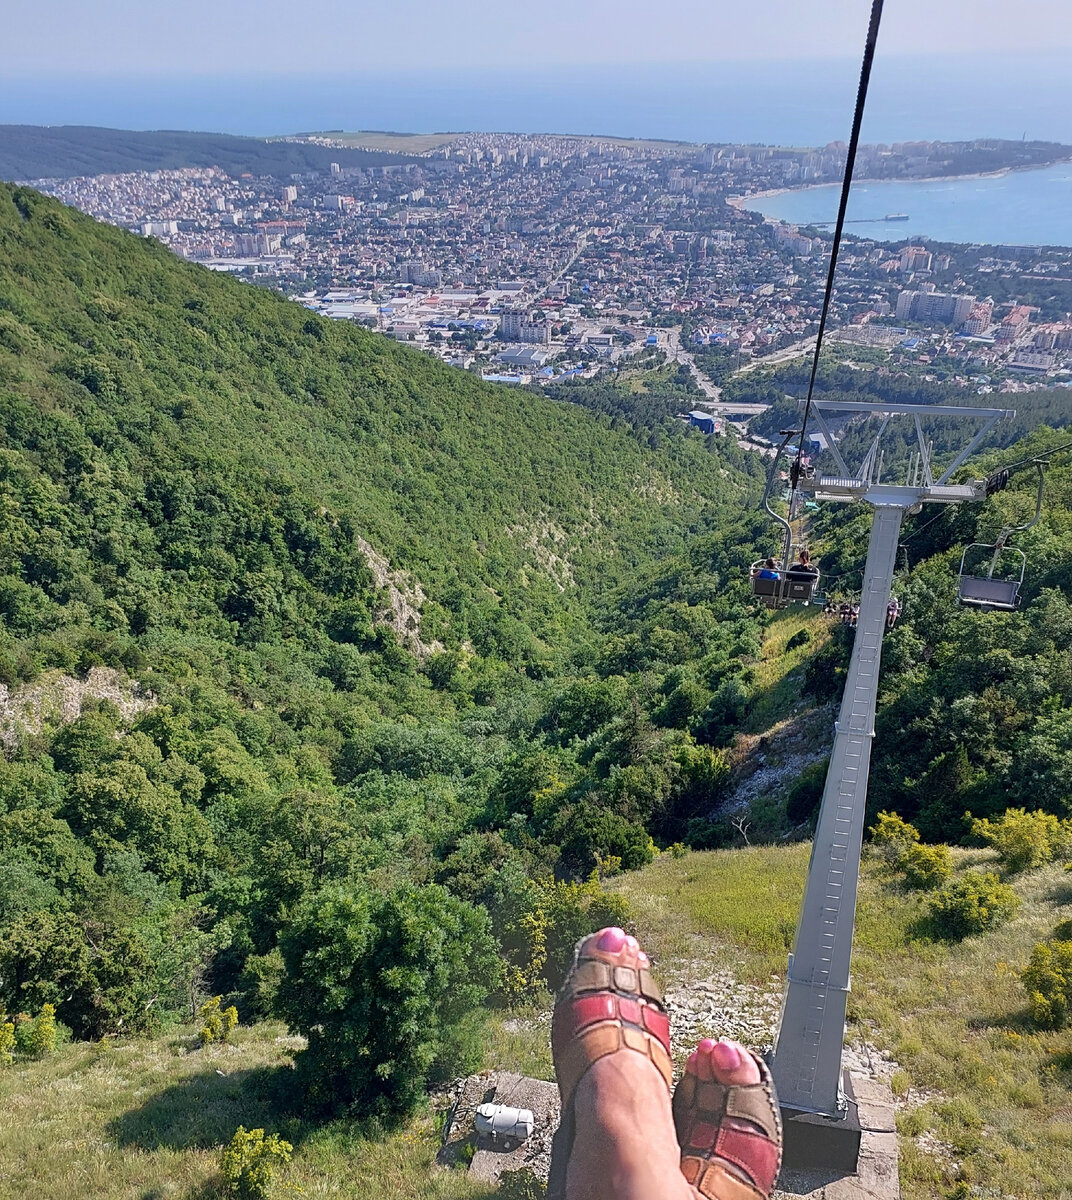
(725, 1056)
(632, 944)
(611, 939)
(706, 1044)
(643, 959)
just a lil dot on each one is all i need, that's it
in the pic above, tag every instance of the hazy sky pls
(137, 37)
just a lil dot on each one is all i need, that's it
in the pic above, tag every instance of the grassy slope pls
(988, 1092)
(998, 1093)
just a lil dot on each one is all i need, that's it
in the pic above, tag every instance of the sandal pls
(737, 1159)
(601, 1008)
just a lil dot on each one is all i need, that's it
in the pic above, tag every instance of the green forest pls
(44, 152)
(385, 670)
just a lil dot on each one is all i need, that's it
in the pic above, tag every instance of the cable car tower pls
(807, 1055)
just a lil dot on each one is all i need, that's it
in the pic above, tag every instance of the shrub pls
(7, 1042)
(801, 638)
(806, 792)
(975, 902)
(217, 1024)
(248, 1162)
(893, 836)
(927, 866)
(1024, 840)
(35, 1037)
(1047, 978)
(388, 990)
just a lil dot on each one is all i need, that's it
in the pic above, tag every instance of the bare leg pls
(625, 1146)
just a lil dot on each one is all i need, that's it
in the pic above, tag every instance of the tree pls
(387, 988)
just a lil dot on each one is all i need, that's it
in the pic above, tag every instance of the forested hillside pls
(387, 626)
(308, 641)
(49, 151)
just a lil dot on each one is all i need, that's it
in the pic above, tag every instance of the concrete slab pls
(875, 1176)
(489, 1161)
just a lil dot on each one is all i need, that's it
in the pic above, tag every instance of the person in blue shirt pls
(768, 570)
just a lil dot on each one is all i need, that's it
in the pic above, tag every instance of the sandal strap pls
(712, 1147)
(710, 1102)
(602, 1008)
(713, 1181)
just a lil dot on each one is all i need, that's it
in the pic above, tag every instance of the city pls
(530, 259)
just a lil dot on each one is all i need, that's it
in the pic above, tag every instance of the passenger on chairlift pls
(802, 571)
(768, 570)
(893, 611)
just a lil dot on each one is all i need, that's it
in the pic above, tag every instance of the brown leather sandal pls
(724, 1160)
(602, 1008)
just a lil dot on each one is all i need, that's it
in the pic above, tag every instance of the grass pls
(146, 1120)
(779, 673)
(994, 1095)
(394, 143)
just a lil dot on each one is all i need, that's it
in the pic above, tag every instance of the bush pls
(806, 792)
(7, 1042)
(1024, 840)
(248, 1162)
(927, 866)
(801, 638)
(1047, 979)
(217, 1024)
(388, 990)
(893, 837)
(975, 902)
(35, 1037)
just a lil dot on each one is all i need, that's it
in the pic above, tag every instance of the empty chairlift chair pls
(997, 588)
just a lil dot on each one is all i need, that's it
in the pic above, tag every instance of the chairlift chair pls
(987, 592)
(782, 591)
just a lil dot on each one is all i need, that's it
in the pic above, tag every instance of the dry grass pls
(997, 1110)
(146, 1120)
(779, 674)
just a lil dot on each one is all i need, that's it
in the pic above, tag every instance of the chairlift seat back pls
(800, 590)
(766, 587)
(990, 593)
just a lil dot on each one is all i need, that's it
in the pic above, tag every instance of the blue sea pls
(779, 103)
(1032, 208)
(787, 103)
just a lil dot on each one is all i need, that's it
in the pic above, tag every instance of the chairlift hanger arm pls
(1009, 530)
(771, 476)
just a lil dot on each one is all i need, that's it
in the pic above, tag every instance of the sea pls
(1018, 208)
(809, 103)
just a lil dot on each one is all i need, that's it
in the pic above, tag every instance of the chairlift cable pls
(850, 162)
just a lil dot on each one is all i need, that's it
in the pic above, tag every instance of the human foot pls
(728, 1123)
(615, 1105)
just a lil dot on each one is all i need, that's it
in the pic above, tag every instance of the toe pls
(723, 1062)
(615, 946)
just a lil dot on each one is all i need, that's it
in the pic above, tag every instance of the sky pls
(110, 38)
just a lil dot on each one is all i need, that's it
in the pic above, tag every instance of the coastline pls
(740, 202)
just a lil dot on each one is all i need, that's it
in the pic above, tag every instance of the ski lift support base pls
(807, 1060)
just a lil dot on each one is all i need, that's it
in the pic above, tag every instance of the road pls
(670, 341)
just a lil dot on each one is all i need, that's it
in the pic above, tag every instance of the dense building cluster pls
(541, 255)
